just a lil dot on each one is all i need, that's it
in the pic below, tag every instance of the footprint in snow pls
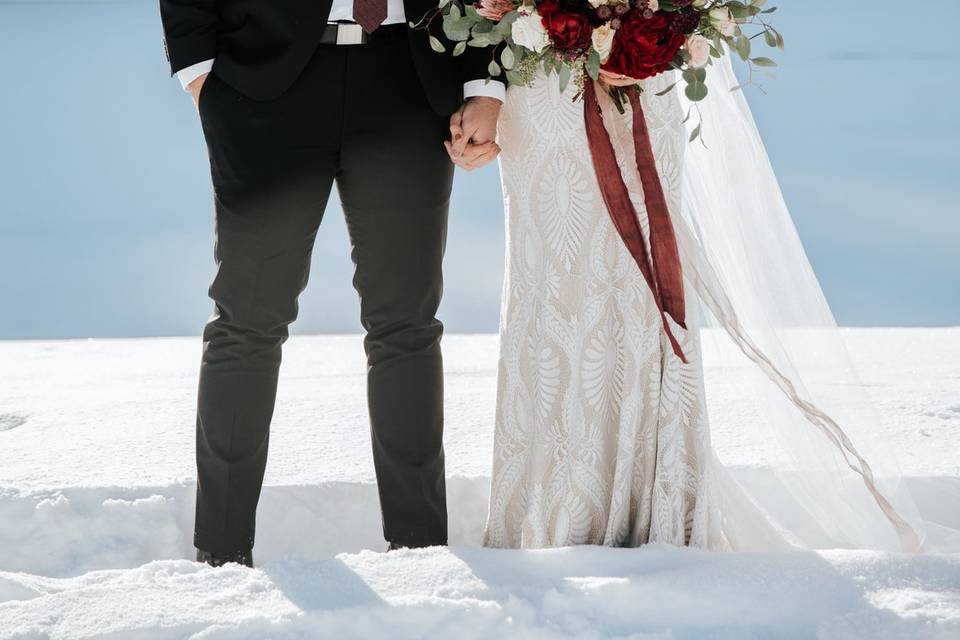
(11, 421)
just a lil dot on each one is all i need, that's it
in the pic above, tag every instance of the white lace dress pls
(601, 431)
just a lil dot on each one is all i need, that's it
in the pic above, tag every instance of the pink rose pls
(494, 9)
(699, 49)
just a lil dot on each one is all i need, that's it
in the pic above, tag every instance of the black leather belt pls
(344, 33)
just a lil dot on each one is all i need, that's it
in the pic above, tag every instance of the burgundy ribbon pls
(664, 274)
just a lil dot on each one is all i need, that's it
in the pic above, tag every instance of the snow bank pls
(72, 531)
(96, 511)
(467, 593)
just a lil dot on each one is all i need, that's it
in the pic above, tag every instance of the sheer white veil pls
(836, 483)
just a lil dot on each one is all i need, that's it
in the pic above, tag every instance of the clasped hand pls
(473, 132)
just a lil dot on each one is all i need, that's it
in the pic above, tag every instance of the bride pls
(602, 430)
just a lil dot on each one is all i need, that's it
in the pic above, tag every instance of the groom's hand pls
(195, 87)
(473, 129)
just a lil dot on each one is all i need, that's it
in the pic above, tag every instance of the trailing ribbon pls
(664, 273)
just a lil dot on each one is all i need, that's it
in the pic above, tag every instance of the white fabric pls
(838, 484)
(194, 71)
(601, 434)
(484, 88)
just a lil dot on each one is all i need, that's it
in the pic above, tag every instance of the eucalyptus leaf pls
(696, 132)
(743, 47)
(667, 90)
(436, 45)
(515, 78)
(695, 91)
(507, 59)
(564, 77)
(593, 65)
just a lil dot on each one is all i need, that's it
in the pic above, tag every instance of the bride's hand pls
(616, 79)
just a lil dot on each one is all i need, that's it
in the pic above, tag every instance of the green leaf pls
(743, 47)
(483, 27)
(593, 64)
(696, 91)
(564, 77)
(691, 74)
(459, 48)
(515, 78)
(696, 132)
(763, 62)
(507, 58)
(436, 45)
(667, 90)
(493, 68)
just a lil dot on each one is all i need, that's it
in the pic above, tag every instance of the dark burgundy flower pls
(685, 22)
(568, 30)
(644, 47)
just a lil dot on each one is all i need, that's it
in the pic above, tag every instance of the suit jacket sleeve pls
(190, 31)
(476, 60)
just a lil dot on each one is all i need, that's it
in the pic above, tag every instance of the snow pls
(96, 510)
(589, 592)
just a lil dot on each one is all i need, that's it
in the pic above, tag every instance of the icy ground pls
(96, 500)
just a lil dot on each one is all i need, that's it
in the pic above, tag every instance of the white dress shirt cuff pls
(492, 89)
(194, 71)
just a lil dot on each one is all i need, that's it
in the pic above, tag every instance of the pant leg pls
(273, 165)
(394, 183)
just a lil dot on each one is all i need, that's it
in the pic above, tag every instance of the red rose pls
(644, 47)
(568, 31)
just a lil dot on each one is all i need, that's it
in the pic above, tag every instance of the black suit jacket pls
(262, 46)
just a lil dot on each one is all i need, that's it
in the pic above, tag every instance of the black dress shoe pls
(240, 557)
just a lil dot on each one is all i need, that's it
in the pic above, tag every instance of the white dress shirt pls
(343, 10)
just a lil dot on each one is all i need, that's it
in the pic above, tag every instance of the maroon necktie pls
(369, 14)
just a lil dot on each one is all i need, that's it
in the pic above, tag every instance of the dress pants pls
(357, 117)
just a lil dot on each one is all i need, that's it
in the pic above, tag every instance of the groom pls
(294, 96)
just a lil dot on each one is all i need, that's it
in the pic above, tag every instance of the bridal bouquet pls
(627, 38)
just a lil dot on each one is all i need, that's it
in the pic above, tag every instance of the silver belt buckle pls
(349, 34)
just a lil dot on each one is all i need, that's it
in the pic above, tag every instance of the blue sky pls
(105, 203)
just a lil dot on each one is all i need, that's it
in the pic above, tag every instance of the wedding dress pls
(602, 434)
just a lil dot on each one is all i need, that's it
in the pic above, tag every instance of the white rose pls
(723, 20)
(699, 49)
(597, 3)
(653, 5)
(603, 41)
(528, 32)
